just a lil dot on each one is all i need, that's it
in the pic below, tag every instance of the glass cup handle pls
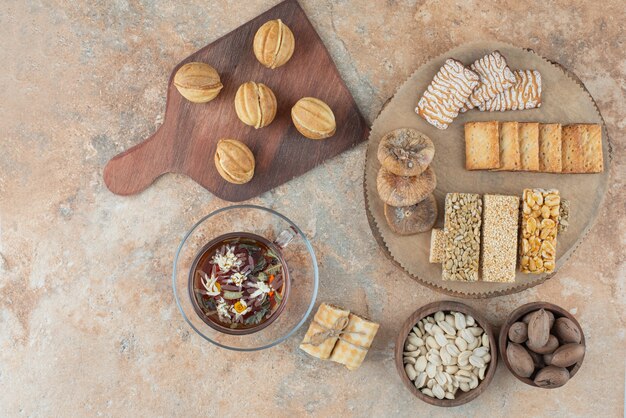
(285, 237)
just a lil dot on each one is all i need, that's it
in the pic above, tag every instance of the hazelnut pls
(234, 161)
(273, 44)
(255, 104)
(198, 82)
(313, 118)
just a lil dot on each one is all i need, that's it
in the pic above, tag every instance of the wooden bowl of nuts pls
(542, 345)
(445, 353)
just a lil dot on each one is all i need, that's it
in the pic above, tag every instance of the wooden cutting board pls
(564, 100)
(186, 141)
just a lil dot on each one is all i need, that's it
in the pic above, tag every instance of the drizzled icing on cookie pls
(495, 77)
(447, 93)
(525, 94)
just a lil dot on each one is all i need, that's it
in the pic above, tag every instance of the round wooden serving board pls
(186, 141)
(565, 100)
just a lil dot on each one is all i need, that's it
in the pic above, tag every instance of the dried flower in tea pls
(245, 284)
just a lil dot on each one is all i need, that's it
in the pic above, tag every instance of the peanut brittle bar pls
(540, 214)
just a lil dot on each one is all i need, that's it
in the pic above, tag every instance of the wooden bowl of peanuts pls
(446, 353)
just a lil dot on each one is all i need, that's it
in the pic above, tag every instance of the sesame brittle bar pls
(499, 240)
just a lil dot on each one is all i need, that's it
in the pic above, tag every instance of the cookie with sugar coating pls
(447, 93)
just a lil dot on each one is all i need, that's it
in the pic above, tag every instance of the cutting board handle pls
(128, 173)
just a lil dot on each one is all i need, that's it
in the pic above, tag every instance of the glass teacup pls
(239, 282)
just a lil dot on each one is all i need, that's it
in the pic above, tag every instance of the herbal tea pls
(239, 282)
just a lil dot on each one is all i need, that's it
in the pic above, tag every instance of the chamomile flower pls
(237, 279)
(261, 289)
(222, 310)
(211, 284)
(240, 308)
(228, 260)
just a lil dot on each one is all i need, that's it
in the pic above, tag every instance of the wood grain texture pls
(517, 315)
(430, 309)
(186, 141)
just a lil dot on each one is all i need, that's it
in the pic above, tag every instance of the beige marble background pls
(88, 324)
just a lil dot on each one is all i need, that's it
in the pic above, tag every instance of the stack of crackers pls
(487, 85)
(532, 146)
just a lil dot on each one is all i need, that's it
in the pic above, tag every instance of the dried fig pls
(568, 355)
(521, 362)
(273, 44)
(518, 333)
(567, 331)
(234, 161)
(551, 345)
(539, 328)
(313, 118)
(255, 104)
(407, 220)
(402, 190)
(551, 377)
(405, 152)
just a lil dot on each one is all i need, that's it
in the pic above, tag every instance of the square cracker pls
(529, 146)
(592, 148)
(572, 159)
(509, 146)
(550, 147)
(482, 145)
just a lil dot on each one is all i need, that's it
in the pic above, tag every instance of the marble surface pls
(88, 324)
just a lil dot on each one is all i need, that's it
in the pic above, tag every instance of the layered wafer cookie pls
(529, 146)
(495, 78)
(437, 245)
(510, 158)
(447, 93)
(540, 217)
(525, 94)
(592, 148)
(572, 159)
(482, 145)
(550, 147)
(356, 339)
(326, 318)
(463, 219)
(499, 240)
